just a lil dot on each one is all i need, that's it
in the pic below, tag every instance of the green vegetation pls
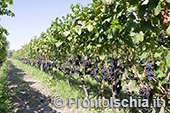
(5, 104)
(3, 32)
(10, 53)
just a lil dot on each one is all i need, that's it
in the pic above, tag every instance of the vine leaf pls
(79, 31)
(168, 30)
(90, 27)
(66, 33)
(137, 37)
(157, 55)
(131, 86)
(158, 8)
(102, 57)
(167, 1)
(58, 44)
(107, 1)
(160, 73)
(69, 38)
(144, 55)
(168, 60)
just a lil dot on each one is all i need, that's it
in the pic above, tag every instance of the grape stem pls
(160, 86)
(138, 77)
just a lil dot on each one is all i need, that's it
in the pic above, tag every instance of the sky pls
(32, 17)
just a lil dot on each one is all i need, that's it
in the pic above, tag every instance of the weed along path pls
(27, 95)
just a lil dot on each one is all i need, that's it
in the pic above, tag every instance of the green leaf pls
(106, 20)
(75, 76)
(113, 30)
(168, 60)
(160, 73)
(103, 9)
(164, 81)
(81, 79)
(157, 55)
(109, 37)
(138, 37)
(58, 44)
(115, 22)
(79, 31)
(131, 86)
(168, 1)
(107, 1)
(158, 63)
(168, 30)
(99, 45)
(121, 111)
(139, 68)
(69, 38)
(119, 13)
(89, 27)
(132, 33)
(89, 46)
(102, 57)
(66, 33)
(54, 69)
(144, 55)
(158, 8)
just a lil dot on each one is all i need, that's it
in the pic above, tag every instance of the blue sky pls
(32, 17)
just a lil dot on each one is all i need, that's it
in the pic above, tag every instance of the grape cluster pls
(84, 66)
(98, 71)
(150, 67)
(146, 93)
(130, 76)
(41, 64)
(28, 62)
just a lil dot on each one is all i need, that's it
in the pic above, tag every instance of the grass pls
(5, 103)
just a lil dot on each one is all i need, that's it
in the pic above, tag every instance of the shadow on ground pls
(26, 99)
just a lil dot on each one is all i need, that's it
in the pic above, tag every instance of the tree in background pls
(3, 32)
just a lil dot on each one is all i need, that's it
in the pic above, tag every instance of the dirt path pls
(27, 95)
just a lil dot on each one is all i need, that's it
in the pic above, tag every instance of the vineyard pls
(122, 46)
